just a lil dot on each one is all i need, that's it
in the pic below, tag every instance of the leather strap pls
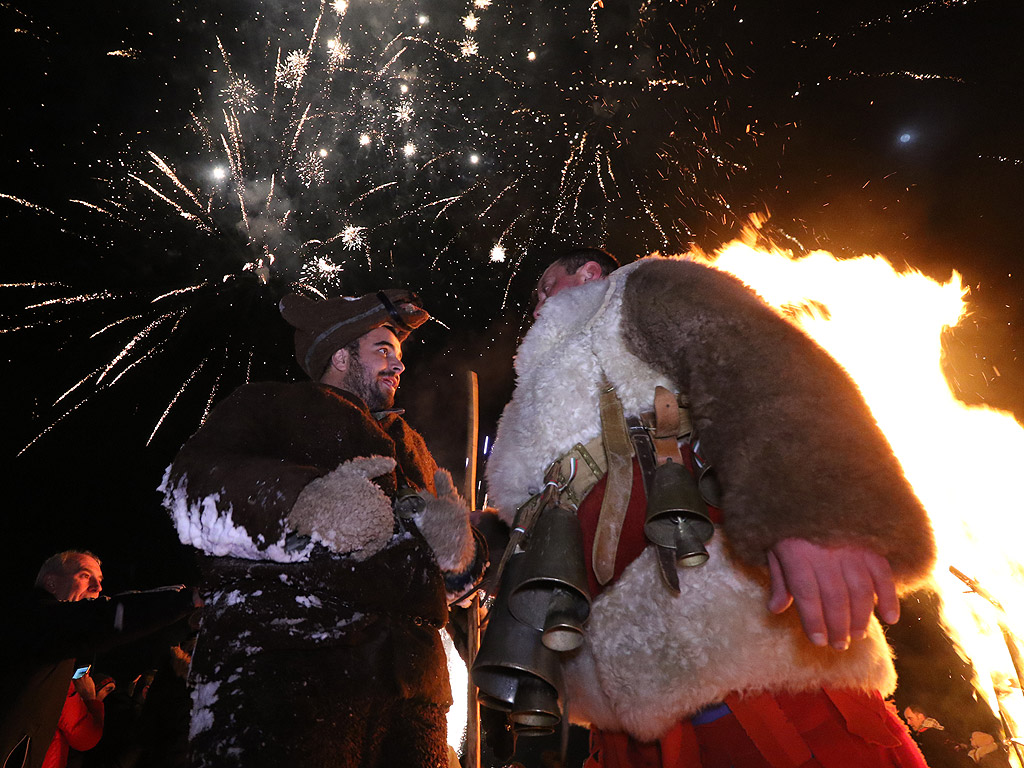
(577, 478)
(618, 451)
(666, 426)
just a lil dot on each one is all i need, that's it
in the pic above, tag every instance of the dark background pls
(871, 127)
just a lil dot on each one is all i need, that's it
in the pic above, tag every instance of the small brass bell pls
(535, 708)
(408, 502)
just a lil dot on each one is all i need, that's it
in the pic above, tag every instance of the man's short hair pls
(58, 564)
(575, 258)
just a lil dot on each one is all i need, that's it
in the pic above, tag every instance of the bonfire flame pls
(885, 327)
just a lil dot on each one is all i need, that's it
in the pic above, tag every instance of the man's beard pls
(361, 381)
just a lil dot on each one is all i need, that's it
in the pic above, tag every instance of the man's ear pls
(339, 360)
(50, 583)
(590, 271)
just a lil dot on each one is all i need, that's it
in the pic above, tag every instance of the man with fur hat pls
(705, 665)
(320, 644)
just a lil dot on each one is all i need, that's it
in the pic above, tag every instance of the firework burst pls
(361, 142)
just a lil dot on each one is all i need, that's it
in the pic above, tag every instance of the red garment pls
(80, 727)
(823, 729)
(632, 540)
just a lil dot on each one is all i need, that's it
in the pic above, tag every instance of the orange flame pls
(884, 327)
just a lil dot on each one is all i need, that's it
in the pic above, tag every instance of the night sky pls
(870, 127)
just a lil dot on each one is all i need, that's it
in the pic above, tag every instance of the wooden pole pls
(472, 757)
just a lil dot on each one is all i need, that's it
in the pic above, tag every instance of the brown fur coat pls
(795, 446)
(797, 453)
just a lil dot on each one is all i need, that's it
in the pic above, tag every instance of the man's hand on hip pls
(834, 588)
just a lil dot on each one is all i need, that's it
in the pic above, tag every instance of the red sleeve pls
(81, 722)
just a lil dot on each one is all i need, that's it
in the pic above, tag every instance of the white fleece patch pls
(558, 373)
(203, 526)
(651, 658)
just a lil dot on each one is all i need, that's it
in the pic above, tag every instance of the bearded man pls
(321, 645)
(706, 665)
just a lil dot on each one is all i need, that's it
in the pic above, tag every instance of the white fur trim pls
(556, 402)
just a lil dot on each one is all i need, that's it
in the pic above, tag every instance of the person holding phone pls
(63, 619)
(80, 725)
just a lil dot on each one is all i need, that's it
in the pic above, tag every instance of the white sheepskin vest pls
(651, 658)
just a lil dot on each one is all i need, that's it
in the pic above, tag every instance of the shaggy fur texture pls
(651, 658)
(444, 523)
(346, 512)
(556, 402)
(796, 449)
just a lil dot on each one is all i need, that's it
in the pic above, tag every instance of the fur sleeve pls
(264, 443)
(795, 446)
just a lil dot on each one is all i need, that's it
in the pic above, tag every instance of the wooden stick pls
(472, 757)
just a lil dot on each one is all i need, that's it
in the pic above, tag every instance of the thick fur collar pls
(558, 374)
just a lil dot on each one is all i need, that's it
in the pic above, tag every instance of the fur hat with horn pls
(326, 325)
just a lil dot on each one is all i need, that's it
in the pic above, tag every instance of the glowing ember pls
(885, 328)
(322, 270)
(353, 237)
(311, 169)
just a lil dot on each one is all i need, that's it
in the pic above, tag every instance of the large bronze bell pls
(513, 669)
(552, 594)
(677, 517)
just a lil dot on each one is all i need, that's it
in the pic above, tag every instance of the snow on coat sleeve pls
(795, 446)
(233, 484)
(228, 490)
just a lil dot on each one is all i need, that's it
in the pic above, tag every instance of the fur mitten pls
(345, 511)
(444, 523)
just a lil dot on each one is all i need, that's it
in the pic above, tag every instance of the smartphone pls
(82, 671)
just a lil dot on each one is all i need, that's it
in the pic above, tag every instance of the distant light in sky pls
(474, 158)
(219, 172)
(906, 137)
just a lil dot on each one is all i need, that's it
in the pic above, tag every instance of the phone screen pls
(82, 671)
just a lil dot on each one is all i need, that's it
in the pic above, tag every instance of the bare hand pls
(835, 589)
(106, 690)
(86, 688)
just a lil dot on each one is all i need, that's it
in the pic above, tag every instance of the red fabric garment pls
(632, 540)
(822, 729)
(80, 727)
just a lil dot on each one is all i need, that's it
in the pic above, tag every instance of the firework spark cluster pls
(336, 146)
